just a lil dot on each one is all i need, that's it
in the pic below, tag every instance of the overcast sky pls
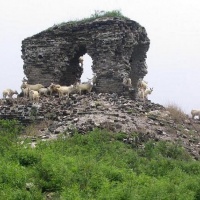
(173, 27)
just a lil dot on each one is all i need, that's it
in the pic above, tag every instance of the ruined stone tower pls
(117, 47)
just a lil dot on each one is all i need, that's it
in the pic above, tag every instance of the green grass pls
(95, 166)
(97, 14)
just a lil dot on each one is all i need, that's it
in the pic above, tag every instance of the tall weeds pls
(177, 114)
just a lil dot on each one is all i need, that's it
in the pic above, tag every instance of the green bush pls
(9, 132)
(165, 149)
(97, 165)
(28, 157)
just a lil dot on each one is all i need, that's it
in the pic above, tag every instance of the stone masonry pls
(117, 47)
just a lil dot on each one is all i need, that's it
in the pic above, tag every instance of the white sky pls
(173, 27)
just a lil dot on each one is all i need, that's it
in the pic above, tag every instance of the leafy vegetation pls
(97, 165)
(97, 14)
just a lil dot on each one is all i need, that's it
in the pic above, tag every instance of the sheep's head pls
(52, 85)
(80, 59)
(31, 92)
(24, 85)
(149, 91)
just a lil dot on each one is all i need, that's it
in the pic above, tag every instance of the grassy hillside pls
(97, 165)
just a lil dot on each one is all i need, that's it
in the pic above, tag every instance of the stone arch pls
(117, 47)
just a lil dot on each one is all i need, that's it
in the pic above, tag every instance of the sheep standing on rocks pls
(94, 79)
(195, 113)
(34, 95)
(81, 60)
(143, 90)
(9, 93)
(84, 87)
(147, 92)
(142, 84)
(65, 90)
(23, 85)
(53, 88)
(143, 94)
(35, 87)
(44, 91)
(25, 92)
(140, 93)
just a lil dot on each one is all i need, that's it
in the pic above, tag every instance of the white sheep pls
(53, 88)
(84, 87)
(35, 87)
(91, 80)
(34, 95)
(142, 84)
(94, 79)
(23, 85)
(143, 94)
(65, 90)
(195, 113)
(81, 60)
(147, 92)
(9, 93)
(25, 92)
(44, 91)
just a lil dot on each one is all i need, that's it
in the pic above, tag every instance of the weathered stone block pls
(117, 47)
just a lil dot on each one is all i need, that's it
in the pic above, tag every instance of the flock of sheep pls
(34, 92)
(143, 90)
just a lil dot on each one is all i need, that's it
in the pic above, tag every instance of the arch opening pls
(87, 68)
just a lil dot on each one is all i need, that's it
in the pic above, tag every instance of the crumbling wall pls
(117, 47)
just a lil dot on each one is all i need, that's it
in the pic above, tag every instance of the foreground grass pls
(97, 165)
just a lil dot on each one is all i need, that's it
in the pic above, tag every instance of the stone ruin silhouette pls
(116, 45)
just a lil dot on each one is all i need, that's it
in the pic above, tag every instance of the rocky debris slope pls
(140, 121)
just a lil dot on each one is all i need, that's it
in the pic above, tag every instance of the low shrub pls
(9, 132)
(177, 114)
(98, 165)
(28, 157)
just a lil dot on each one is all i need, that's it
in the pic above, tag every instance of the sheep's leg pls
(143, 95)
(192, 116)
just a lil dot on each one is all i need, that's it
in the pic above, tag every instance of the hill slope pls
(140, 121)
